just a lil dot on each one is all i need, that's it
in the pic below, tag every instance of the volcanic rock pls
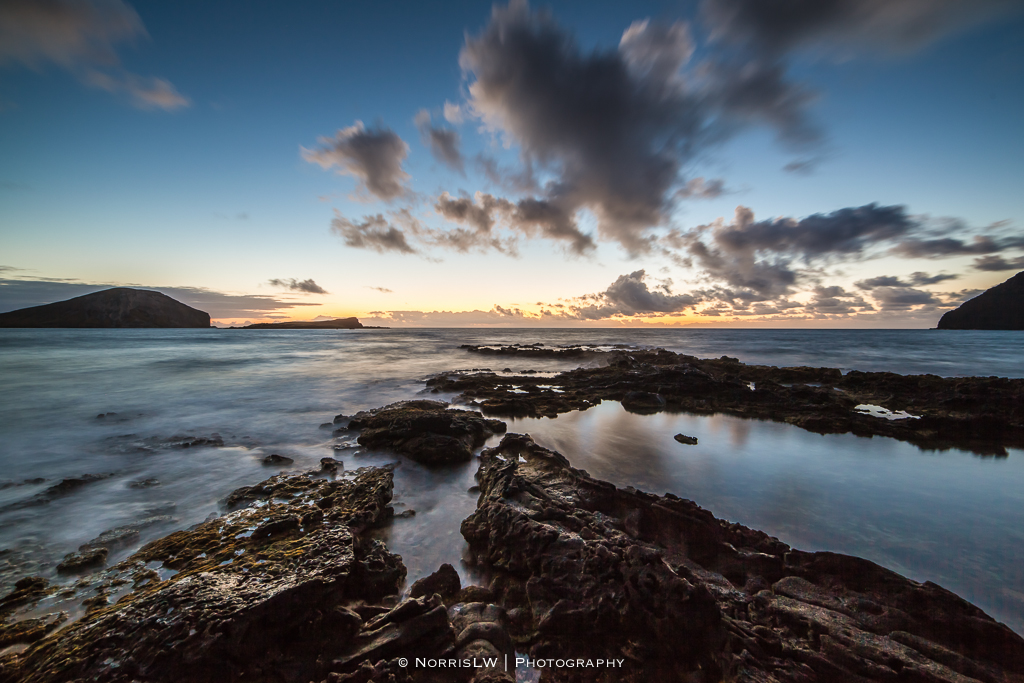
(427, 431)
(586, 570)
(117, 307)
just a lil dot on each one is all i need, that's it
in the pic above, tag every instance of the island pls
(335, 324)
(120, 307)
(999, 308)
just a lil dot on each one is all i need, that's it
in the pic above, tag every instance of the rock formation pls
(336, 324)
(999, 308)
(981, 414)
(118, 307)
(587, 571)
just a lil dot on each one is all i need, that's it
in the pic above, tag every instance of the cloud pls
(833, 301)
(998, 263)
(843, 26)
(145, 93)
(81, 36)
(453, 113)
(307, 286)
(629, 295)
(382, 290)
(699, 188)
(372, 156)
(443, 142)
(375, 233)
(22, 293)
(616, 127)
(901, 298)
(916, 279)
(952, 246)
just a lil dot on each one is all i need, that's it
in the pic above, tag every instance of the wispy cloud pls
(306, 286)
(373, 157)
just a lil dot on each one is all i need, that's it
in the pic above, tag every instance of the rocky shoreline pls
(289, 585)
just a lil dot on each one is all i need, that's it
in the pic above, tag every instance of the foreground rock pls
(289, 589)
(429, 432)
(118, 307)
(589, 571)
(981, 414)
(999, 308)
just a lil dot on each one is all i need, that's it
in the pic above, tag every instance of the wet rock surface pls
(587, 570)
(428, 432)
(982, 414)
(287, 588)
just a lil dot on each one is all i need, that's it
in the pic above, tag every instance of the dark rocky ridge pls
(117, 307)
(982, 414)
(336, 324)
(586, 570)
(999, 308)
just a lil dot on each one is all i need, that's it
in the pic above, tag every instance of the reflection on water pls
(169, 397)
(939, 516)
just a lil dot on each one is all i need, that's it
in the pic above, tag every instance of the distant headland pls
(120, 307)
(999, 308)
(335, 324)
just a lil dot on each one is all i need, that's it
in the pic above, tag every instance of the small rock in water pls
(143, 483)
(405, 514)
(331, 465)
(327, 425)
(688, 440)
(275, 459)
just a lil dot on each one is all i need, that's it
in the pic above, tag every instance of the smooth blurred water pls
(948, 517)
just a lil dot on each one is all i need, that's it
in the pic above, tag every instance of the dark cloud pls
(520, 180)
(842, 26)
(998, 263)
(81, 36)
(307, 286)
(916, 280)
(629, 295)
(831, 301)
(373, 156)
(443, 142)
(375, 233)
(699, 188)
(615, 127)
(15, 294)
(953, 246)
(901, 298)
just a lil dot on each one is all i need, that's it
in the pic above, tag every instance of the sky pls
(744, 163)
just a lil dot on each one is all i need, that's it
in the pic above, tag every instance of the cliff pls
(118, 307)
(999, 308)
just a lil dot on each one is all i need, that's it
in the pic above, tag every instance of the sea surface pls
(946, 516)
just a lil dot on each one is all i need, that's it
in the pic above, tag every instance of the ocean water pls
(947, 516)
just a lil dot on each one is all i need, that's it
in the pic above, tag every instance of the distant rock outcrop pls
(117, 307)
(1000, 308)
(336, 324)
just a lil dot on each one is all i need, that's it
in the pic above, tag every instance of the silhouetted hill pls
(336, 324)
(1000, 308)
(118, 307)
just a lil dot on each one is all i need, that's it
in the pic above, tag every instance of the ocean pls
(188, 416)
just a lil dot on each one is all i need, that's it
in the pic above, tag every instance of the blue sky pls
(161, 145)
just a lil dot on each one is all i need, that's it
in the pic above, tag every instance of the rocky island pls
(335, 324)
(120, 307)
(999, 308)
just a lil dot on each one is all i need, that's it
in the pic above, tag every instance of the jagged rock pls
(998, 308)
(262, 606)
(427, 431)
(684, 439)
(588, 570)
(117, 307)
(981, 414)
(444, 582)
(275, 459)
(83, 560)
